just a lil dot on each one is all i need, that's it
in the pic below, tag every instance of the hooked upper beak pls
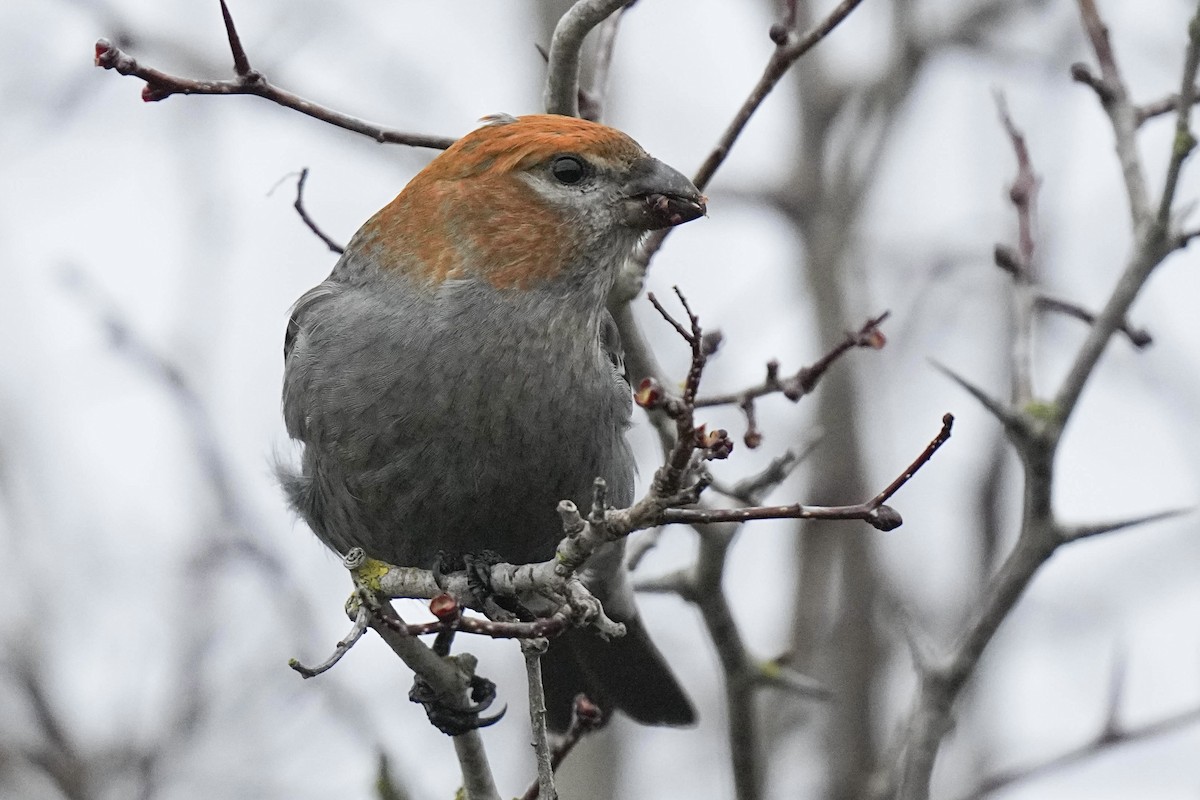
(657, 196)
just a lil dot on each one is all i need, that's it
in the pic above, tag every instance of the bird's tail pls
(626, 673)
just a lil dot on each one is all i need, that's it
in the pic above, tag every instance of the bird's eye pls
(568, 169)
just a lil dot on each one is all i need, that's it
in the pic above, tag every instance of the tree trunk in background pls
(834, 635)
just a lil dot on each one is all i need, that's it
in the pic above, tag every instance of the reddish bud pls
(874, 339)
(716, 442)
(152, 94)
(752, 438)
(103, 47)
(587, 713)
(444, 607)
(649, 394)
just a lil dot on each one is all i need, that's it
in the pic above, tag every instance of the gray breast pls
(453, 420)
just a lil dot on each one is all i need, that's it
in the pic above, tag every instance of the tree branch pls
(1114, 97)
(790, 46)
(1110, 737)
(562, 73)
(806, 378)
(308, 221)
(160, 85)
(1152, 241)
(537, 718)
(1138, 337)
(1023, 194)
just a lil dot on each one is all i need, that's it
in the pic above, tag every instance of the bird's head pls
(528, 200)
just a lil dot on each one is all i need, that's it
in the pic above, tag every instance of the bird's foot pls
(453, 719)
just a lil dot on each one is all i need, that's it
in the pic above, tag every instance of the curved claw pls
(483, 692)
(484, 722)
(457, 721)
(482, 705)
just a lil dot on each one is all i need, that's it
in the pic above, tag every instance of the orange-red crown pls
(506, 144)
(463, 213)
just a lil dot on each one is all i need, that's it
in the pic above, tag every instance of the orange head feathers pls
(516, 200)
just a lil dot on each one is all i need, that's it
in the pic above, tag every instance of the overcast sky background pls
(117, 556)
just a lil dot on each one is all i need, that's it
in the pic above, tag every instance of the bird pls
(458, 374)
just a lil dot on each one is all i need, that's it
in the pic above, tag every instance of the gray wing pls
(610, 342)
(301, 319)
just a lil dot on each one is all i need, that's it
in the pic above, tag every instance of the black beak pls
(657, 196)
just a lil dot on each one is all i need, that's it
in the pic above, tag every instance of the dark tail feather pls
(627, 673)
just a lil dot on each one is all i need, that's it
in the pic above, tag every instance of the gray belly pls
(422, 440)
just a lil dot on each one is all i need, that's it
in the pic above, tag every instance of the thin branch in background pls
(750, 490)
(1072, 533)
(1162, 107)
(639, 546)
(806, 378)
(1023, 190)
(1153, 243)
(593, 99)
(1041, 535)
(562, 69)
(161, 85)
(1138, 337)
(790, 46)
(1112, 735)
(58, 756)
(1114, 97)
(1185, 141)
(753, 437)
(1012, 421)
(586, 718)
(242, 525)
(1023, 195)
(309, 221)
(776, 674)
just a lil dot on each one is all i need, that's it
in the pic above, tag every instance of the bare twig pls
(1023, 194)
(1138, 337)
(1037, 430)
(1110, 737)
(806, 378)
(537, 718)
(160, 85)
(1161, 107)
(1114, 97)
(750, 490)
(872, 511)
(776, 674)
(1036, 433)
(241, 64)
(1153, 242)
(1185, 141)
(592, 100)
(309, 221)
(1074, 533)
(1015, 425)
(790, 46)
(361, 623)
(586, 717)
(562, 71)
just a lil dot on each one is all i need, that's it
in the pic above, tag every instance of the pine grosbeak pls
(458, 374)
